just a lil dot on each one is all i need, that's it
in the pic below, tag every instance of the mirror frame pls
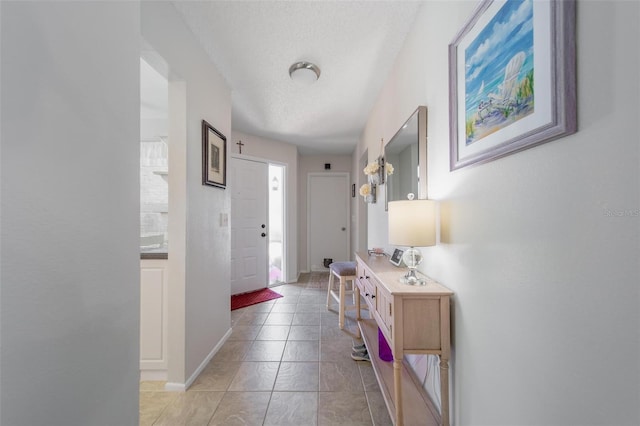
(421, 111)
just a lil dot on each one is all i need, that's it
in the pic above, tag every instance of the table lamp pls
(412, 223)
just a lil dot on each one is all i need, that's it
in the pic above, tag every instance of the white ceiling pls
(253, 43)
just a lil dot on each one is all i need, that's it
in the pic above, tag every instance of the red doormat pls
(247, 299)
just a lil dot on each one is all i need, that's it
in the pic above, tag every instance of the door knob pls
(263, 234)
(344, 229)
(263, 226)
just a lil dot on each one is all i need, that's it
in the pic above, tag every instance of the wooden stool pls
(345, 271)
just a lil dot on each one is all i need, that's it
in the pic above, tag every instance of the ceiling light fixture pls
(304, 73)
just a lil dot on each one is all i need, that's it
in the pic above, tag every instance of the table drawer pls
(383, 305)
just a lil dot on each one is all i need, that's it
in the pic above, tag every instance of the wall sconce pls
(412, 223)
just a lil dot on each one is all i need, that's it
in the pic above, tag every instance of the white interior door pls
(328, 218)
(249, 242)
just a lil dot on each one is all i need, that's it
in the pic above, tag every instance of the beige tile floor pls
(286, 363)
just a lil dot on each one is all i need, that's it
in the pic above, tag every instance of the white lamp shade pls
(412, 223)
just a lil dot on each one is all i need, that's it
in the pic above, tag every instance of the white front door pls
(328, 218)
(248, 183)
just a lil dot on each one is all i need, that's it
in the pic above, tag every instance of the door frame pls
(285, 218)
(347, 178)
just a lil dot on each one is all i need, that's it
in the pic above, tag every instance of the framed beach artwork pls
(511, 79)
(214, 156)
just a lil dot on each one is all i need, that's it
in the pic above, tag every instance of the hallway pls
(286, 363)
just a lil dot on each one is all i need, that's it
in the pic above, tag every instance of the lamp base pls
(412, 279)
(412, 258)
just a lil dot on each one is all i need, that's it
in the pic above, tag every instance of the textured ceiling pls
(254, 43)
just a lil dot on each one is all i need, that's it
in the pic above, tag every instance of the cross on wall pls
(240, 145)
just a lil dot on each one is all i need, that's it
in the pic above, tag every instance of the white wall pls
(314, 164)
(286, 154)
(545, 274)
(205, 296)
(359, 209)
(70, 202)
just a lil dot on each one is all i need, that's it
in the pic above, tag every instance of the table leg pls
(358, 317)
(444, 390)
(397, 390)
(341, 307)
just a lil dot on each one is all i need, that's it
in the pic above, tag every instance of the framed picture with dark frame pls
(512, 79)
(214, 156)
(396, 257)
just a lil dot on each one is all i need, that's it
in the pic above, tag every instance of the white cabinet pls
(153, 319)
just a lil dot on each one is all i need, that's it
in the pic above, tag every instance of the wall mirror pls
(407, 153)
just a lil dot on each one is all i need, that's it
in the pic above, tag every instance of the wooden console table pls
(414, 320)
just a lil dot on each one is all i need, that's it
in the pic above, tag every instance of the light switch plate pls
(224, 220)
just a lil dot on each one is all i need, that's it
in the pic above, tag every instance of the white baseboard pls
(175, 387)
(182, 387)
(153, 375)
